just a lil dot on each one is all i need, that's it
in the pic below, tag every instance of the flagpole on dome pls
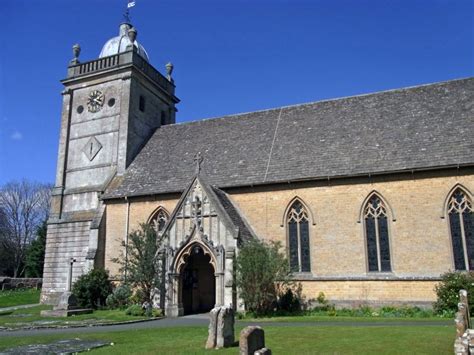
(126, 15)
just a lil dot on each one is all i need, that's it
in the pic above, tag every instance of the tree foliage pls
(447, 291)
(92, 289)
(35, 253)
(262, 275)
(140, 264)
(24, 206)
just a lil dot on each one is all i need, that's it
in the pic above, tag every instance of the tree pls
(262, 273)
(24, 206)
(141, 265)
(35, 253)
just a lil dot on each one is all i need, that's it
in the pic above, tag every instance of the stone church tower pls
(111, 106)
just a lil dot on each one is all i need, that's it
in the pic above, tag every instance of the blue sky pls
(229, 56)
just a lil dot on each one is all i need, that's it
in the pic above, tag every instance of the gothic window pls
(298, 238)
(461, 224)
(376, 234)
(159, 219)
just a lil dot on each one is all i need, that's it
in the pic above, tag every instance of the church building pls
(370, 196)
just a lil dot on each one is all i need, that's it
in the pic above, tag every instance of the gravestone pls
(463, 344)
(252, 339)
(225, 328)
(221, 328)
(211, 339)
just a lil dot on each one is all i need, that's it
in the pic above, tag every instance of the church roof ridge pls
(277, 108)
(423, 128)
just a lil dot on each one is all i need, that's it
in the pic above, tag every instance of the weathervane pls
(126, 15)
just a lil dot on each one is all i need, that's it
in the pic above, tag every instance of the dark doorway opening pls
(198, 290)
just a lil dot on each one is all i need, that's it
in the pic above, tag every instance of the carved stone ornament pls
(91, 148)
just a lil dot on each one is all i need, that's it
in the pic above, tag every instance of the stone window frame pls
(390, 214)
(285, 224)
(445, 215)
(153, 217)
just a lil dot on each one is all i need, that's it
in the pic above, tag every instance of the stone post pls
(69, 278)
(229, 277)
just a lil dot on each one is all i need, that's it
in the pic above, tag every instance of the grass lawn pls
(324, 318)
(282, 340)
(31, 316)
(18, 297)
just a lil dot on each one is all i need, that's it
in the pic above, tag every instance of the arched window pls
(298, 238)
(461, 224)
(376, 234)
(158, 219)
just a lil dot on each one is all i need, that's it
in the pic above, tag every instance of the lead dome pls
(119, 44)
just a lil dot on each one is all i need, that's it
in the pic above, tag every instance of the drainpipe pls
(127, 217)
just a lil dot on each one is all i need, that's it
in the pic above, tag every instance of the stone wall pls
(419, 233)
(8, 283)
(64, 241)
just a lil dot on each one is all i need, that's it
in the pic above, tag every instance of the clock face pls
(95, 101)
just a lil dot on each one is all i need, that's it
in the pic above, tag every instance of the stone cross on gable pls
(198, 160)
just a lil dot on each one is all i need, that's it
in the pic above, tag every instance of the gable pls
(200, 215)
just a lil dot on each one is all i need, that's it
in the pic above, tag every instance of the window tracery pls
(298, 238)
(159, 219)
(461, 224)
(377, 235)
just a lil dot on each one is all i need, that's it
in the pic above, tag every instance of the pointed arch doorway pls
(197, 282)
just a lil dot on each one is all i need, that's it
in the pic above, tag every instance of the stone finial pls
(169, 70)
(76, 51)
(132, 34)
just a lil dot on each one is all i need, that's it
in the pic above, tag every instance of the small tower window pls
(141, 104)
(163, 118)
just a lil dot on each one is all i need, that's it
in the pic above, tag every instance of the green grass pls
(282, 340)
(31, 316)
(19, 297)
(325, 318)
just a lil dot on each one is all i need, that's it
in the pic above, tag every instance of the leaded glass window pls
(461, 224)
(377, 236)
(298, 238)
(159, 220)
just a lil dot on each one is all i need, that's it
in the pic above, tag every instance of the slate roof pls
(245, 232)
(422, 127)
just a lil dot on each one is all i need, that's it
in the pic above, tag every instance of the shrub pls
(142, 266)
(261, 273)
(135, 310)
(289, 302)
(261, 270)
(448, 292)
(92, 288)
(120, 298)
